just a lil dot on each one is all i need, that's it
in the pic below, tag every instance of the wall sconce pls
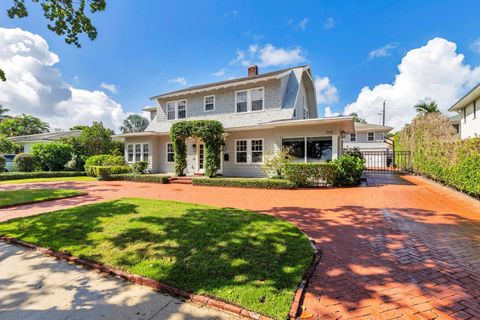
(344, 134)
(194, 147)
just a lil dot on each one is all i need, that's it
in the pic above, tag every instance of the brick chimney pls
(253, 71)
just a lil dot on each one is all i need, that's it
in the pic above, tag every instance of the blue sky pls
(144, 45)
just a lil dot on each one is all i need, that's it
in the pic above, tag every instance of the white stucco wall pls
(470, 122)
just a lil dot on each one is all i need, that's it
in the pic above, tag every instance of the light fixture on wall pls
(344, 134)
(194, 147)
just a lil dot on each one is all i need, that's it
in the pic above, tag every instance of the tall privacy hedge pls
(439, 154)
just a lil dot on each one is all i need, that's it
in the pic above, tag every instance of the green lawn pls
(17, 197)
(57, 179)
(253, 260)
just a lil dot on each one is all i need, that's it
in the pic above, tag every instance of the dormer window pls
(209, 103)
(249, 100)
(176, 109)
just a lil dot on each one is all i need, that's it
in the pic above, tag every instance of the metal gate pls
(387, 161)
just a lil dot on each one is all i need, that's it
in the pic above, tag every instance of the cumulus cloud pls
(384, 51)
(34, 86)
(432, 72)
(329, 23)
(269, 55)
(180, 80)
(327, 94)
(109, 86)
(330, 113)
(475, 45)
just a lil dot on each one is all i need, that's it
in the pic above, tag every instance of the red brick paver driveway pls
(398, 249)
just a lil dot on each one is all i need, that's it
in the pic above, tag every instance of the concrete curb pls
(296, 310)
(156, 285)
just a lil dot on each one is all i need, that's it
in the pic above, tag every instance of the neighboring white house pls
(370, 139)
(26, 142)
(469, 107)
(260, 114)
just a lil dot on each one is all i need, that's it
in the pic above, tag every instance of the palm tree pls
(356, 118)
(134, 123)
(3, 113)
(427, 107)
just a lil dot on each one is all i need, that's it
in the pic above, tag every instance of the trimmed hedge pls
(24, 162)
(39, 174)
(102, 171)
(152, 178)
(311, 174)
(245, 183)
(105, 160)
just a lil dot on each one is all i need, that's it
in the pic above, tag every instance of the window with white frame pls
(138, 152)
(130, 153)
(371, 136)
(249, 100)
(249, 151)
(309, 149)
(176, 109)
(353, 137)
(170, 152)
(209, 103)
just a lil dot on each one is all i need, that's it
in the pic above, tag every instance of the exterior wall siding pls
(470, 127)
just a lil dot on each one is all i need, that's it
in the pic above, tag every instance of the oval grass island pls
(248, 259)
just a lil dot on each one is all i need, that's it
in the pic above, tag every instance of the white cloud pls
(233, 14)
(432, 72)
(327, 94)
(34, 86)
(475, 45)
(219, 73)
(180, 80)
(384, 51)
(109, 86)
(329, 112)
(329, 23)
(269, 55)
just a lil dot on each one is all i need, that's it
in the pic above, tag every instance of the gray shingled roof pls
(49, 136)
(371, 127)
(226, 82)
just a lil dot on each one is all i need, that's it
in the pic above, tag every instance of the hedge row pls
(136, 178)
(102, 171)
(39, 174)
(311, 174)
(245, 183)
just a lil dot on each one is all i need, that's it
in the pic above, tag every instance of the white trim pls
(249, 151)
(133, 144)
(175, 102)
(305, 138)
(368, 135)
(249, 100)
(205, 103)
(166, 153)
(355, 137)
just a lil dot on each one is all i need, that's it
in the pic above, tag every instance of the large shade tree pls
(67, 18)
(23, 125)
(134, 123)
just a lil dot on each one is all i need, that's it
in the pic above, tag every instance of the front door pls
(201, 158)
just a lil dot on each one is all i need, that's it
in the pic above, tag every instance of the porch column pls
(335, 147)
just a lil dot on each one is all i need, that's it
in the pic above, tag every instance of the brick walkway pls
(402, 248)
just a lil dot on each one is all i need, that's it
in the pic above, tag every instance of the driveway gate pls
(387, 161)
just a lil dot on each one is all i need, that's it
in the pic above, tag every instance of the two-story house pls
(260, 114)
(468, 107)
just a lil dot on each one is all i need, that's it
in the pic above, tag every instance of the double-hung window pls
(353, 137)
(249, 151)
(170, 152)
(249, 100)
(371, 136)
(138, 152)
(209, 103)
(176, 110)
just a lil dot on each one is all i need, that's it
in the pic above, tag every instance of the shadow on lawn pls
(244, 257)
(390, 258)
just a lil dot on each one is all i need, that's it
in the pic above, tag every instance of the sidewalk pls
(37, 287)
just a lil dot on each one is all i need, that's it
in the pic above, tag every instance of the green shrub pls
(140, 167)
(274, 166)
(355, 151)
(25, 162)
(310, 174)
(52, 156)
(245, 183)
(348, 170)
(152, 178)
(105, 160)
(3, 162)
(39, 174)
(102, 171)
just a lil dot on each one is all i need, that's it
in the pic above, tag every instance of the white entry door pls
(200, 158)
